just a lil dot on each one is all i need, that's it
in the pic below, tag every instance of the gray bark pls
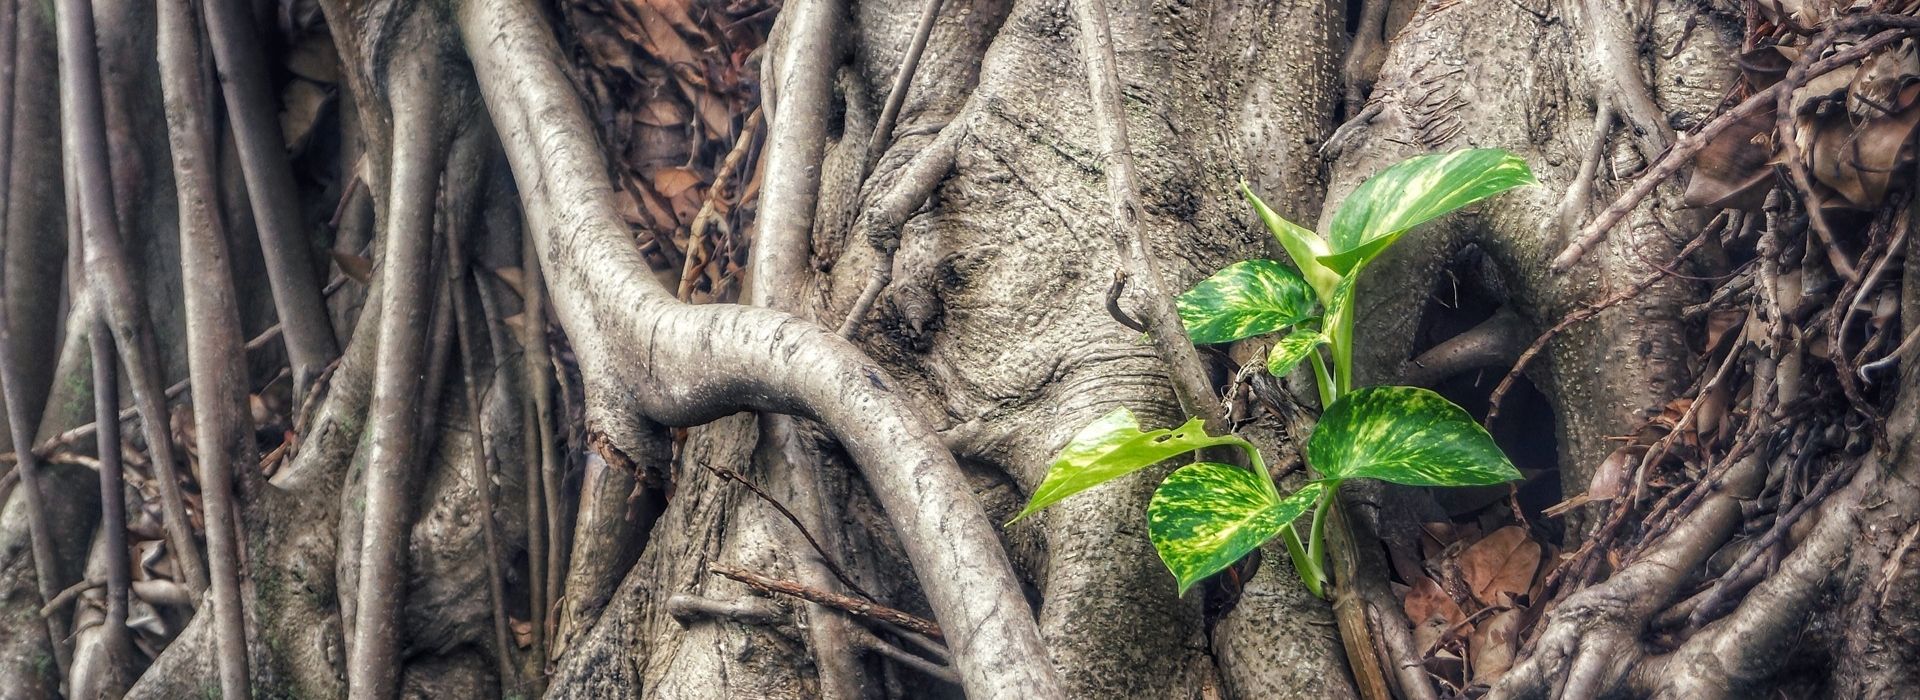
(968, 250)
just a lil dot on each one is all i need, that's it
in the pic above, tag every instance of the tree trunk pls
(551, 459)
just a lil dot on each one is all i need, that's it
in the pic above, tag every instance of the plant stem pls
(1316, 538)
(1303, 563)
(1342, 342)
(1323, 380)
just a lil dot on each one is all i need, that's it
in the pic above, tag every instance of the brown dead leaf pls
(662, 111)
(1431, 611)
(1859, 158)
(1494, 642)
(355, 267)
(1876, 86)
(1767, 65)
(1611, 475)
(670, 182)
(512, 276)
(1719, 321)
(303, 103)
(1732, 170)
(1710, 410)
(1500, 567)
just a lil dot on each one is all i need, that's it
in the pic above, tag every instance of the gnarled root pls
(645, 354)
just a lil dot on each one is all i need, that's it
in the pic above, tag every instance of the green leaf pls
(1413, 192)
(1301, 244)
(1405, 435)
(1288, 353)
(1206, 516)
(1115, 446)
(1245, 299)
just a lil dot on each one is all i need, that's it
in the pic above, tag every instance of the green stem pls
(1316, 538)
(1343, 351)
(1303, 563)
(1323, 380)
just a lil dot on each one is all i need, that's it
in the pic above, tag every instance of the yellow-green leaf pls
(1288, 353)
(1115, 446)
(1245, 299)
(1206, 516)
(1405, 435)
(1301, 244)
(1413, 192)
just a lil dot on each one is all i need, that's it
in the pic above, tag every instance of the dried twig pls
(1689, 145)
(1578, 316)
(863, 608)
(825, 558)
(1114, 293)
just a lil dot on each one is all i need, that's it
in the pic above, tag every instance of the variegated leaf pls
(1405, 435)
(1413, 192)
(1206, 516)
(1292, 349)
(1301, 244)
(1245, 299)
(1115, 446)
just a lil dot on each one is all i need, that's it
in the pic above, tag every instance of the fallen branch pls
(848, 604)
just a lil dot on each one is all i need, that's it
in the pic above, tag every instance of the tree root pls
(373, 669)
(255, 123)
(887, 216)
(1729, 657)
(223, 425)
(1168, 333)
(644, 354)
(1690, 144)
(1496, 342)
(1365, 55)
(109, 273)
(1590, 641)
(481, 468)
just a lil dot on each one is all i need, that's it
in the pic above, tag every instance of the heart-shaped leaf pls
(1413, 192)
(1115, 446)
(1405, 435)
(1206, 516)
(1288, 353)
(1245, 299)
(1301, 244)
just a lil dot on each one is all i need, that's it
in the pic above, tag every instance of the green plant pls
(1206, 515)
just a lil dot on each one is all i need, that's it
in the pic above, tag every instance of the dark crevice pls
(1467, 292)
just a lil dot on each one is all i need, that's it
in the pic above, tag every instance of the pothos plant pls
(1206, 515)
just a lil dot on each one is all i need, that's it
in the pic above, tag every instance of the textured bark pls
(702, 363)
(958, 221)
(213, 336)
